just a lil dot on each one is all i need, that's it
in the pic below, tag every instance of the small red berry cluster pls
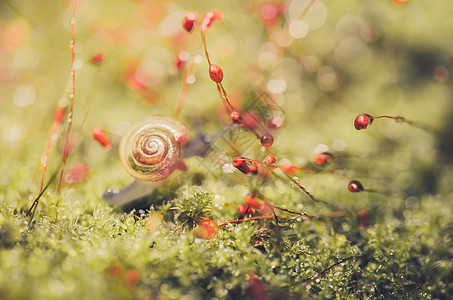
(216, 73)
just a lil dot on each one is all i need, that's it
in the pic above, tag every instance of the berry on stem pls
(209, 17)
(216, 73)
(363, 121)
(235, 116)
(241, 165)
(323, 158)
(245, 210)
(270, 160)
(251, 202)
(267, 140)
(97, 58)
(355, 186)
(99, 134)
(189, 21)
(205, 231)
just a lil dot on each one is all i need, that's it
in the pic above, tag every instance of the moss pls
(392, 241)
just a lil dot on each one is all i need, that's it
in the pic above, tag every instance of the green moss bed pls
(394, 240)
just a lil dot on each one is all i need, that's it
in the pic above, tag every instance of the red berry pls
(355, 186)
(267, 139)
(209, 17)
(97, 58)
(363, 121)
(270, 160)
(218, 15)
(216, 73)
(235, 116)
(206, 230)
(323, 158)
(189, 21)
(99, 135)
(252, 202)
(241, 165)
(244, 209)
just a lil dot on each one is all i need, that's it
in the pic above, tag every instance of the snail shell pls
(151, 149)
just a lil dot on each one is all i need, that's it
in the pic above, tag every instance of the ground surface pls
(321, 64)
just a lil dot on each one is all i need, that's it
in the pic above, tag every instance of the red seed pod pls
(355, 186)
(209, 17)
(216, 73)
(363, 121)
(241, 165)
(235, 116)
(189, 21)
(97, 58)
(323, 158)
(252, 202)
(244, 209)
(218, 15)
(254, 168)
(206, 230)
(267, 140)
(99, 134)
(270, 160)
(287, 168)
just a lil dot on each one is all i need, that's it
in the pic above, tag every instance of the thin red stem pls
(303, 214)
(203, 39)
(183, 92)
(71, 95)
(33, 207)
(397, 118)
(52, 134)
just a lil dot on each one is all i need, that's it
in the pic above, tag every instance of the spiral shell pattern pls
(151, 148)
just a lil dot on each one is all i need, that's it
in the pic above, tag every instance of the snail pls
(150, 151)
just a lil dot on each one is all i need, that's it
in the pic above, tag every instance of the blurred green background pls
(321, 62)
